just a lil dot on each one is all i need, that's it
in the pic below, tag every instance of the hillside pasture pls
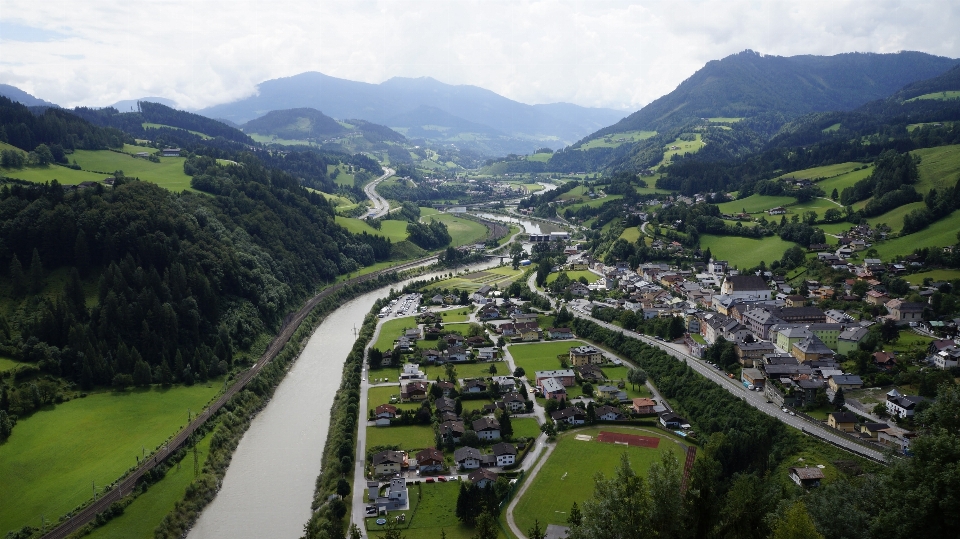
(827, 171)
(939, 168)
(47, 465)
(615, 140)
(683, 146)
(462, 231)
(940, 234)
(395, 230)
(754, 204)
(722, 120)
(843, 181)
(745, 252)
(937, 96)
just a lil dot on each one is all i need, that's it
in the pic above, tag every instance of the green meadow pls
(754, 204)
(590, 276)
(462, 231)
(52, 459)
(391, 330)
(683, 146)
(433, 512)
(615, 140)
(745, 252)
(935, 275)
(940, 234)
(540, 356)
(567, 476)
(938, 96)
(827, 171)
(939, 167)
(142, 516)
(407, 437)
(395, 230)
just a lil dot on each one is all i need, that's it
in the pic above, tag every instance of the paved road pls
(380, 205)
(756, 399)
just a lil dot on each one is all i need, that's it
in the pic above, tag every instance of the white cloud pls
(594, 53)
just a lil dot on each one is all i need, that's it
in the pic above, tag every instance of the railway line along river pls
(268, 488)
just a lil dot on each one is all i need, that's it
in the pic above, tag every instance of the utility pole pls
(94, 484)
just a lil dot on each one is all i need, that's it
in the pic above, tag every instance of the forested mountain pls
(54, 127)
(155, 113)
(748, 84)
(295, 124)
(413, 104)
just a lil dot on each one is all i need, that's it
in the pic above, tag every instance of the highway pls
(756, 399)
(380, 205)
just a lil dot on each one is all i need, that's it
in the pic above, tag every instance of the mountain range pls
(424, 108)
(16, 94)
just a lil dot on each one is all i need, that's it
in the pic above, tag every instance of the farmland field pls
(917, 278)
(590, 276)
(843, 181)
(754, 204)
(540, 356)
(47, 465)
(499, 277)
(408, 437)
(940, 234)
(939, 167)
(395, 230)
(827, 171)
(745, 252)
(721, 120)
(142, 516)
(567, 476)
(940, 96)
(683, 146)
(614, 138)
(463, 231)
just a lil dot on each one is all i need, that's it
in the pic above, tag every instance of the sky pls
(592, 53)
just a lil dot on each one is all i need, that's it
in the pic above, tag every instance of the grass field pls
(381, 395)
(540, 158)
(456, 315)
(461, 328)
(827, 171)
(894, 217)
(916, 278)
(540, 356)
(436, 511)
(168, 173)
(7, 364)
(909, 340)
(391, 330)
(843, 181)
(939, 96)
(745, 252)
(683, 146)
(142, 516)
(579, 191)
(595, 203)
(47, 465)
(395, 230)
(754, 204)
(408, 437)
(590, 276)
(940, 234)
(500, 277)
(615, 140)
(939, 168)
(525, 427)
(631, 235)
(463, 231)
(568, 474)
(722, 120)
(343, 178)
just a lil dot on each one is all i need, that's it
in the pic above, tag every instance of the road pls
(380, 204)
(756, 399)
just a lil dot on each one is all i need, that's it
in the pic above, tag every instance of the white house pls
(506, 454)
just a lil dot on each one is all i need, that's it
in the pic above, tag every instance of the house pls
(745, 287)
(453, 339)
(515, 403)
(452, 431)
(779, 210)
(946, 358)
(872, 430)
(476, 341)
(844, 381)
(811, 349)
(566, 377)
(445, 404)
(806, 477)
(904, 312)
(474, 385)
(552, 389)
(849, 339)
(446, 387)
(415, 392)
(383, 414)
(506, 454)
(835, 316)
(467, 458)
(411, 371)
(877, 298)
(753, 377)
(487, 353)
(430, 460)
(506, 384)
(896, 437)
(844, 421)
(900, 405)
(608, 413)
(530, 334)
(591, 373)
(482, 477)
(170, 152)
(670, 420)
(751, 354)
(560, 333)
(487, 428)
(455, 354)
(643, 406)
(611, 392)
(396, 498)
(389, 462)
(571, 415)
(585, 355)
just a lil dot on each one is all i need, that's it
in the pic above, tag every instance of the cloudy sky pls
(593, 53)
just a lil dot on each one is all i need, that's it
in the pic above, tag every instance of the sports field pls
(567, 476)
(745, 252)
(49, 463)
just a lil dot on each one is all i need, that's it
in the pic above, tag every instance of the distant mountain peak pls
(16, 94)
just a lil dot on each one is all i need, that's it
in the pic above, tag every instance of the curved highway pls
(380, 204)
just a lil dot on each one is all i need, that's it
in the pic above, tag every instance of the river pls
(269, 485)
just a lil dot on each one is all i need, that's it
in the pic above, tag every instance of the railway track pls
(290, 324)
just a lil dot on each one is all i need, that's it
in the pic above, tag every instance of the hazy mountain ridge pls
(16, 94)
